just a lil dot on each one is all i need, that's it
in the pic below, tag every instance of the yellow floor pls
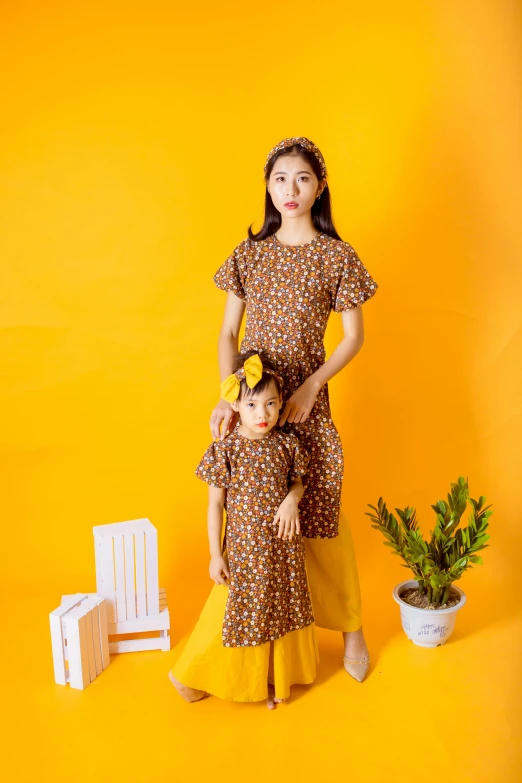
(453, 712)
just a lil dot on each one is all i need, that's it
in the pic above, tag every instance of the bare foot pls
(272, 702)
(355, 646)
(189, 694)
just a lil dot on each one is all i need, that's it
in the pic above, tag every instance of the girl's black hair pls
(262, 384)
(321, 210)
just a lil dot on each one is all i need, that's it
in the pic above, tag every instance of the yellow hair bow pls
(251, 371)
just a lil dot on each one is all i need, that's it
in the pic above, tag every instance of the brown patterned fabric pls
(268, 594)
(289, 294)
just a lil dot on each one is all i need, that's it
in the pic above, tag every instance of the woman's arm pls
(302, 401)
(348, 348)
(223, 416)
(229, 334)
(218, 567)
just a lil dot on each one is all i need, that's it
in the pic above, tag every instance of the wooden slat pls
(90, 641)
(98, 560)
(165, 637)
(96, 638)
(106, 586)
(151, 559)
(141, 587)
(154, 622)
(70, 601)
(57, 642)
(118, 528)
(75, 632)
(162, 599)
(121, 607)
(130, 595)
(137, 645)
(104, 637)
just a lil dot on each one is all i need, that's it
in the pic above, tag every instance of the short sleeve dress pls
(289, 293)
(268, 596)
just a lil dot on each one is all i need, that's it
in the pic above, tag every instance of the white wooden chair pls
(79, 639)
(127, 577)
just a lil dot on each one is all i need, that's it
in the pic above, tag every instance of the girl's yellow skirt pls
(242, 673)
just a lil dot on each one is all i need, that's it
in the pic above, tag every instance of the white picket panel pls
(79, 639)
(127, 576)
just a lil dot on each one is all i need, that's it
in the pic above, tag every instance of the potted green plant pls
(430, 602)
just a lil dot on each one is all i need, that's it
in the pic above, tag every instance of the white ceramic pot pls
(427, 627)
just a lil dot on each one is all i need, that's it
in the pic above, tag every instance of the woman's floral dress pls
(289, 294)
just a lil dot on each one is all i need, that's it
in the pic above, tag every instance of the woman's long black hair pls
(321, 210)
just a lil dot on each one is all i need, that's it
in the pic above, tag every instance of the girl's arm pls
(302, 401)
(223, 416)
(218, 567)
(288, 512)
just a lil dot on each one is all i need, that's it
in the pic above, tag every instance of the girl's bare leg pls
(189, 694)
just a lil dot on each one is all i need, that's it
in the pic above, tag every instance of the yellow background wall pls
(133, 142)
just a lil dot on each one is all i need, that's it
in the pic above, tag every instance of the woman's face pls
(293, 185)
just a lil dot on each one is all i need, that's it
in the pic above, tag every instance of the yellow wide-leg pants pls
(333, 580)
(242, 673)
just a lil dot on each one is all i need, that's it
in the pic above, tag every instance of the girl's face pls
(260, 412)
(293, 186)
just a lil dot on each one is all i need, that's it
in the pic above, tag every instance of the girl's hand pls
(218, 570)
(300, 404)
(222, 416)
(288, 518)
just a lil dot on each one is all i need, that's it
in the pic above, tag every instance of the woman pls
(288, 277)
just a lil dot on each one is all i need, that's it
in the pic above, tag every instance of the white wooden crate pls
(126, 556)
(79, 639)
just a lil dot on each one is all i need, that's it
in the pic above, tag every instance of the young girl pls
(255, 637)
(289, 277)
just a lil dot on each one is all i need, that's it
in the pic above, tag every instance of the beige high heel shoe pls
(357, 669)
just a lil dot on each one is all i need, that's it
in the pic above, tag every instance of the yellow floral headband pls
(303, 142)
(252, 372)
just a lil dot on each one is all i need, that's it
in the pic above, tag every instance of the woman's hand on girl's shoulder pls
(222, 420)
(299, 406)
